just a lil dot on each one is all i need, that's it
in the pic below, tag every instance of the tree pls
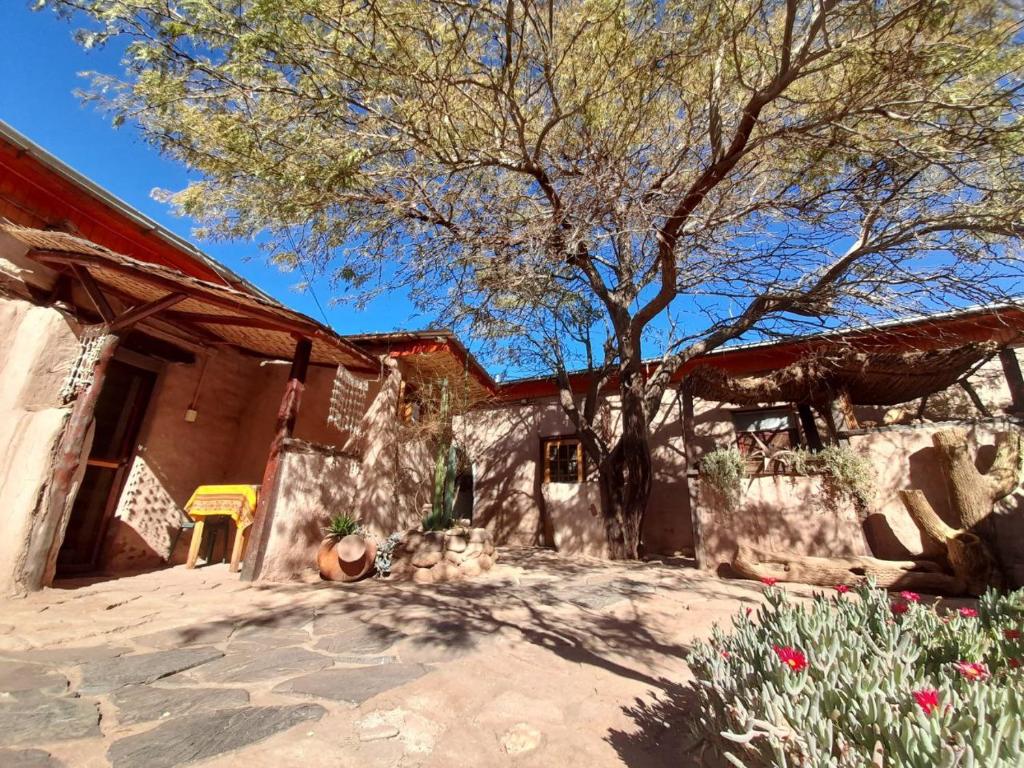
(587, 179)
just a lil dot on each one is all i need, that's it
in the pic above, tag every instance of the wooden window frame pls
(796, 436)
(556, 441)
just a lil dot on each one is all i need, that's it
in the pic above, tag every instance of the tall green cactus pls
(440, 516)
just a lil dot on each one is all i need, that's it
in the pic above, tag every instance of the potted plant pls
(345, 553)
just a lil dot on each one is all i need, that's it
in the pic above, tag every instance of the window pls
(563, 460)
(762, 432)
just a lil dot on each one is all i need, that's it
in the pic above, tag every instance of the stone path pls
(543, 661)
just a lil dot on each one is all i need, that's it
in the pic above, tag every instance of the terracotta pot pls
(346, 559)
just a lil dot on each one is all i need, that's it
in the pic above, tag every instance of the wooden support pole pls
(262, 524)
(48, 532)
(1014, 378)
(810, 427)
(692, 475)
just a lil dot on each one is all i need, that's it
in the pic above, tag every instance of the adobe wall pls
(513, 502)
(382, 478)
(39, 346)
(795, 514)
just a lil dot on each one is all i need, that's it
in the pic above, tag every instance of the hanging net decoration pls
(80, 376)
(348, 398)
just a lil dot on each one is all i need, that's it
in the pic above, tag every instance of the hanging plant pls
(848, 475)
(723, 470)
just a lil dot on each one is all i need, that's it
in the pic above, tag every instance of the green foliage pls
(342, 525)
(870, 677)
(723, 470)
(848, 475)
(442, 503)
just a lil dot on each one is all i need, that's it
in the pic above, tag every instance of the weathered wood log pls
(972, 496)
(919, 575)
(972, 493)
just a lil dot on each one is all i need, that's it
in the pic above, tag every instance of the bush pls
(341, 526)
(845, 682)
(723, 470)
(848, 475)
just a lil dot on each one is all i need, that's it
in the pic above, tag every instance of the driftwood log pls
(919, 575)
(968, 547)
(972, 496)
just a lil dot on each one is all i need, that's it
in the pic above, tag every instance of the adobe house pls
(902, 383)
(136, 369)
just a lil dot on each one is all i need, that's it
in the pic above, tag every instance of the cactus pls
(440, 517)
(855, 680)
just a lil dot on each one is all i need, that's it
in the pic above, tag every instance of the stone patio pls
(543, 661)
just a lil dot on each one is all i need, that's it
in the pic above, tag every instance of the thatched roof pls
(870, 378)
(210, 313)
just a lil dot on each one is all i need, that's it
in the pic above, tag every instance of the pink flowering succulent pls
(910, 597)
(842, 589)
(972, 670)
(793, 658)
(900, 607)
(768, 581)
(968, 613)
(927, 699)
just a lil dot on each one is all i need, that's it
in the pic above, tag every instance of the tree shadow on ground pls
(663, 736)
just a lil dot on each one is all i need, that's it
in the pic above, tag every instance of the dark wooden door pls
(119, 413)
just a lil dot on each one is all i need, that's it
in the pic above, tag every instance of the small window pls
(763, 432)
(563, 460)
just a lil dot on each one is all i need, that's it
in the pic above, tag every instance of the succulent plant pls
(860, 679)
(341, 526)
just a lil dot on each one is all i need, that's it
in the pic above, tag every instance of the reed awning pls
(868, 377)
(207, 312)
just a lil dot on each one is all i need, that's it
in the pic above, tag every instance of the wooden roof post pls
(48, 535)
(259, 535)
(1014, 378)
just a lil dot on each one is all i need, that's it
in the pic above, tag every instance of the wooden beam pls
(92, 289)
(209, 295)
(263, 520)
(1014, 378)
(241, 322)
(138, 314)
(48, 532)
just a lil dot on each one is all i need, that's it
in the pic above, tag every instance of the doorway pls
(462, 508)
(119, 413)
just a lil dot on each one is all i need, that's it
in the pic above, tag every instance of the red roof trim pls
(31, 194)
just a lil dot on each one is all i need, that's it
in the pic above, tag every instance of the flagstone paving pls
(544, 661)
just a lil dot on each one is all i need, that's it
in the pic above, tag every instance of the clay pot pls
(346, 559)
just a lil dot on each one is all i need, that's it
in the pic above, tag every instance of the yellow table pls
(235, 501)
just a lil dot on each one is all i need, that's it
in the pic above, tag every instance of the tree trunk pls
(969, 547)
(922, 575)
(625, 479)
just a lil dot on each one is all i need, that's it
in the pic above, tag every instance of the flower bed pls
(859, 678)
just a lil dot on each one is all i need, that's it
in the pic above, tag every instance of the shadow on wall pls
(504, 445)
(145, 523)
(780, 512)
(314, 487)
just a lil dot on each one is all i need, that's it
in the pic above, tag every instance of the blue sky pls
(39, 71)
